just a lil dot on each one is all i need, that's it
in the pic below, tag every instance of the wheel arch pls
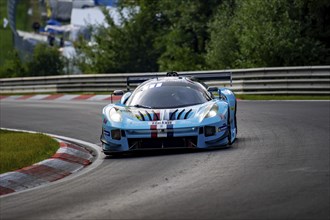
(230, 98)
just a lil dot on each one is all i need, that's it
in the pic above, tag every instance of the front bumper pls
(164, 137)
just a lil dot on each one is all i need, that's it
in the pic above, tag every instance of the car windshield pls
(168, 94)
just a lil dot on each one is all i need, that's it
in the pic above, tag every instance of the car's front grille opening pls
(160, 143)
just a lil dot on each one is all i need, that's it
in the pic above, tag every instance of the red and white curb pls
(62, 97)
(69, 158)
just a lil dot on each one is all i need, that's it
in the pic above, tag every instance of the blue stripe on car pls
(169, 130)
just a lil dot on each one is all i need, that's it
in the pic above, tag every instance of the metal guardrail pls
(311, 80)
(23, 46)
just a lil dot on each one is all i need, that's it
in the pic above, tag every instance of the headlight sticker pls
(161, 129)
(106, 133)
(222, 128)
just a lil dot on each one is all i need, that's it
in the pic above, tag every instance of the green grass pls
(18, 149)
(23, 20)
(283, 97)
(6, 38)
(6, 44)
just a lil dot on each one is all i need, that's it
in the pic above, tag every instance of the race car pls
(170, 112)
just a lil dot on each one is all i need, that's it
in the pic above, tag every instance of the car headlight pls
(210, 112)
(213, 111)
(115, 115)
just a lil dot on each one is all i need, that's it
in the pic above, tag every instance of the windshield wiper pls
(141, 106)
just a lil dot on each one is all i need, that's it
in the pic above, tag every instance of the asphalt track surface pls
(277, 169)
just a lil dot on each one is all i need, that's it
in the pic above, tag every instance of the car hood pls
(188, 113)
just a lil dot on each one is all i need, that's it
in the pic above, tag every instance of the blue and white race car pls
(170, 112)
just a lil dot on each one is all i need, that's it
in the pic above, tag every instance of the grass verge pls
(6, 38)
(19, 149)
(24, 21)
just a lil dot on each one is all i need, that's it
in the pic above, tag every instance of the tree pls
(160, 35)
(264, 33)
(223, 47)
(128, 47)
(183, 44)
(13, 67)
(182, 35)
(45, 61)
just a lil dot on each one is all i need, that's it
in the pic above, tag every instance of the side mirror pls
(118, 92)
(125, 97)
(221, 95)
(212, 89)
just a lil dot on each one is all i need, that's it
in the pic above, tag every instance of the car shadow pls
(167, 152)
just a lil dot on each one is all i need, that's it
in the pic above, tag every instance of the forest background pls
(168, 35)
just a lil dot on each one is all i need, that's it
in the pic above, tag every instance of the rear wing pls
(199, 76)
(213, 76)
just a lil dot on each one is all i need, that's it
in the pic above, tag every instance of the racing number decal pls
(161, 129)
